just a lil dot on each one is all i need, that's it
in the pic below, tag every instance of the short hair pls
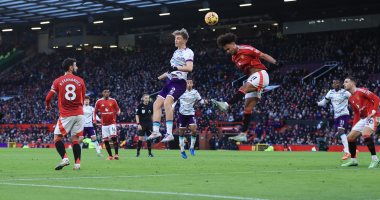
(336, 79)
(353, 79)
(226, 39)
(67, 63)
(145, 95)
(183, 32)
(87, 97)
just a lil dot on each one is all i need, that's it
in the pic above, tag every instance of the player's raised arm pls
(163, 76)
(269, 59)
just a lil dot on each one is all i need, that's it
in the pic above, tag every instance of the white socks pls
(343, 137)
(97, 147)
(182, 143)
(192, 143)
(169, 127)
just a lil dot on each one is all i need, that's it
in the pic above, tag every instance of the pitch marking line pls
(134, 191)
(168, 175)
(130, 176)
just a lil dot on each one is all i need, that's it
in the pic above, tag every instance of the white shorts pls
(73, 125)
(260, 80)
(369, 123)
(108, 131)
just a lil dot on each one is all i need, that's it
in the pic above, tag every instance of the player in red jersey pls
(246, 59)
(365, 105)
(71, 91)
(108, 109)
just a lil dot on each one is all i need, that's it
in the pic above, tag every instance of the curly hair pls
(226, 39)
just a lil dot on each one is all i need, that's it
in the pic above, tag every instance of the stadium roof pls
(13, 11)
(183, 12)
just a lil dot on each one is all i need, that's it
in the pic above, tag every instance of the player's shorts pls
(369, 123)
(73, 125)
(259, 80)
(109, 131)
(88, 132)
(186, 120)
(175, 88)
(342, 122)
(146, 129)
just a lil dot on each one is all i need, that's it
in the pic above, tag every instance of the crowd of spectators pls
(129, 74)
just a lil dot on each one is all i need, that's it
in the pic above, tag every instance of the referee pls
(144, 114)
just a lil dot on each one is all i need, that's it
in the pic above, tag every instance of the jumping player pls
(71, 91)
(365, 105)
(89, 130)
(339, 100)
(181, 63)
(247, 59)
(108, 109)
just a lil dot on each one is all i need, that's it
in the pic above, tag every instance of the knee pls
(351, 138)
(157, 104)
(57, 138)
(168, 103)
(248, 109)
(367, 139)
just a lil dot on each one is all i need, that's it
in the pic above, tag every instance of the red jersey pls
(247, 57)
(108, 110)
(363, 102)
(71, 92)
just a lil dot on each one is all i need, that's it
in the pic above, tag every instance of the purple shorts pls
(186, 120)
(342, 122)
(88, 132)
(175, 88)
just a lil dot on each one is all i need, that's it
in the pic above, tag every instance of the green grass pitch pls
(29, 174)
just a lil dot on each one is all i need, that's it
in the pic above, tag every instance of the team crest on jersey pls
(106, 109)
(111, 104)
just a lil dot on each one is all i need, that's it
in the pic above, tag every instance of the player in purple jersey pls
(181, 63)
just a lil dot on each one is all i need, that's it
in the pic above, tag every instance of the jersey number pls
(70, 92)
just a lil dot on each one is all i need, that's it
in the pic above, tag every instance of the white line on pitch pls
(168, 175)
(134, 191)
(128, 176)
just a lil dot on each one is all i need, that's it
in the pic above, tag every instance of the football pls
(211, 18)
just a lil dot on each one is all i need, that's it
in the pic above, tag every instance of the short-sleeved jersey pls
(339, 101)
(180, 57)
(247, 57)
(187, 101)
(145, 113)
(71, 91)
(89, 116)
(108, 110)
(363, 102)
